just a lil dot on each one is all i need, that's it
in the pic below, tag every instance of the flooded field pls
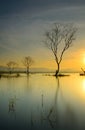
(43, 102)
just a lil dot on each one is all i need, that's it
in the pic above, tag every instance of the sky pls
(23, 24)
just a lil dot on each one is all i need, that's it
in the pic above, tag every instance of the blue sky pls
(24, 22)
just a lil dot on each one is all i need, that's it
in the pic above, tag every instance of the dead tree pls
(11, 65)
(58, 40)
(27, 61)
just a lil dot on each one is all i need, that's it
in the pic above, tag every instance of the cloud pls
(10, 7)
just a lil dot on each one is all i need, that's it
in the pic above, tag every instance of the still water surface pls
(42, 102)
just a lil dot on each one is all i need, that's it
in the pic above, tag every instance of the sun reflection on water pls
(83, 84)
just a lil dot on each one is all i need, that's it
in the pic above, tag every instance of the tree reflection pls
(52, 116)
(27, 81)
(12, 106)
(57, 118)
(28, 86)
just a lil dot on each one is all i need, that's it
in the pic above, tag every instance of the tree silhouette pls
(11, 65)
(59, 39)
(27, 61)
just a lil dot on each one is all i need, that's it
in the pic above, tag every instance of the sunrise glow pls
(22, 34)
(84, 59)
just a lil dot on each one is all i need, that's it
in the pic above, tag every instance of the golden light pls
(83, 84)
(84, 60)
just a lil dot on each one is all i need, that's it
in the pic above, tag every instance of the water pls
(42, 102)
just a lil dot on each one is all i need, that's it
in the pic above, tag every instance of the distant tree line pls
(27, 62)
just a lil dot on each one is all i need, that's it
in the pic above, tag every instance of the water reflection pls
(83, 84)
(54, 118)
(12, 104)
(27, 84)
(54, 107)
(45, 102)
(12, 107)
(52, 114)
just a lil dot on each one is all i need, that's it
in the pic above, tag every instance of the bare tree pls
(11, 65)
(59, 39)
(27, 61)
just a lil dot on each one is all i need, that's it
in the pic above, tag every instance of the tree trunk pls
(58, 68)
